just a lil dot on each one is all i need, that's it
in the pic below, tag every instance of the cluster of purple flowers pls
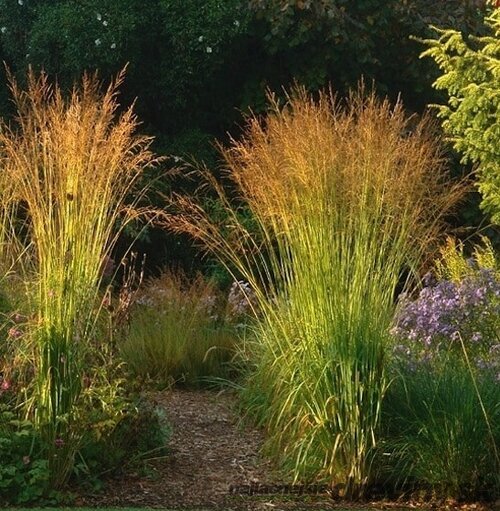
(241, 299)
(445, 313)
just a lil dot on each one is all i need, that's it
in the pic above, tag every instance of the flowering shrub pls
(453, 315)
(441, 413)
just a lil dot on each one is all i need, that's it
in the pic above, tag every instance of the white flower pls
(105, 23)
(97, 42)
(236, 23)
(99, 17)
(209, 49)
(3, 30)
(113, 46)
(20, 2)
(200, 39)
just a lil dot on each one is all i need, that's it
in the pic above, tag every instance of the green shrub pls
(442, 432)
(24, 472)
(116, 427)
(470, 68)
(453, 265)
(122, 433)
(143, 433)
(442, 411)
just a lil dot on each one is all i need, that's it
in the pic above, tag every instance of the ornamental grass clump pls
(181, 330)
(346, 200)
(73, 162)
(441, 431)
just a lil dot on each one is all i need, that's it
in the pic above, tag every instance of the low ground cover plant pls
(345, 199)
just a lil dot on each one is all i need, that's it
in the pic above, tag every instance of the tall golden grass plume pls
(354, 154)
(75, 163)
(346, 200)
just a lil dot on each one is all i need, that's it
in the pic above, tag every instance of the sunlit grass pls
(347, 199)
(72, 162)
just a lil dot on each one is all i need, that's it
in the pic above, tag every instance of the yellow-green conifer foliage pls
(471, 76)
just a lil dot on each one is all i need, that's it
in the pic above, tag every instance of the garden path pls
(209, 451)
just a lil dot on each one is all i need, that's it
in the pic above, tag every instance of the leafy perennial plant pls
(449, 312)
(442, 411)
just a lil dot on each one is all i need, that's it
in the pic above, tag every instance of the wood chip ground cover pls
(211, 453)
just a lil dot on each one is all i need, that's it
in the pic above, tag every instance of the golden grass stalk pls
(73, 162)
(347, 200)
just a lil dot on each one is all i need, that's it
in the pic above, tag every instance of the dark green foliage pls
(437, 435)
(24, 474)
(195, 66)
(327, 39)
(24, 471)
(141, 435)
(192, 64)
(338, 41)
(175, 50)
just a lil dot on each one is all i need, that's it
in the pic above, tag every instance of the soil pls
(214, 462)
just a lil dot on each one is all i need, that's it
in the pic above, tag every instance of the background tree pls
(471, 77)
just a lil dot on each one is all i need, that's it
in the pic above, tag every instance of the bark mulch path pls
(210, 456)
(210, 453)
